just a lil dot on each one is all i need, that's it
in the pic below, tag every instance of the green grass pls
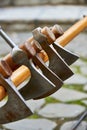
(77, 88)
(83, 59)
(77, 102)
(76, 69)
(74, 87)
(51, 100)
(34, 116)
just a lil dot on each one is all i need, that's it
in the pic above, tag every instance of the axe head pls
(16, 107)
(38, 84)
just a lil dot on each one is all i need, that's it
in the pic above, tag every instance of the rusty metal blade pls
(56, 63)
(68, 56)
(15, 108)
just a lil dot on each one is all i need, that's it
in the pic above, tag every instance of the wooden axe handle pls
(72, 32)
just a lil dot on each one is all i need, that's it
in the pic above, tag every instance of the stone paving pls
(68, 126)
(68, 95)
(32, 124)
(62, 109)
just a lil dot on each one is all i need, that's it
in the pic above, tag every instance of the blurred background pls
(60, 110)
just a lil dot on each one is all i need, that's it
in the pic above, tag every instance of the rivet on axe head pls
(56, 63)
(15, 108)
(38, 84)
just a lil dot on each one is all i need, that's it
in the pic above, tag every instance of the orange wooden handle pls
(72, 32)
(20, 75)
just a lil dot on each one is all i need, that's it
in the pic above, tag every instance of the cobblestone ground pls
(61, 110)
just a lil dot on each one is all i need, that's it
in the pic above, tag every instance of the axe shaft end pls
(72, 32)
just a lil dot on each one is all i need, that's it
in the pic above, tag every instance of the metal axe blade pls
(38, 84)
(50, 75)
(68, 57)
(56, 63)
(45, 70)
(15, 108)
